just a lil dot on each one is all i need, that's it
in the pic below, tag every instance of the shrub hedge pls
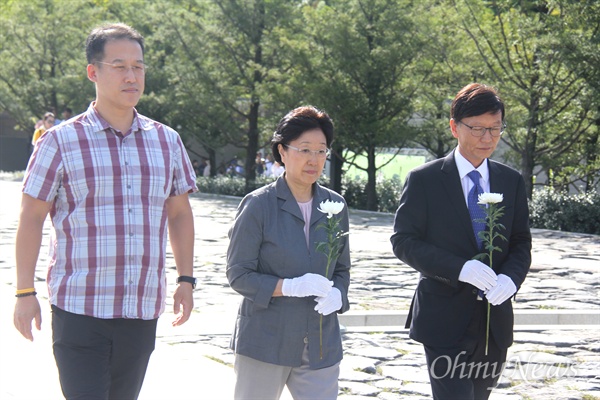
(548, 209)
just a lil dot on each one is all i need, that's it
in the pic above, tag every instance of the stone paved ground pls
(545, 363)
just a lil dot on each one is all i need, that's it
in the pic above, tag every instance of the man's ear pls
(453, 126)
(91, 72)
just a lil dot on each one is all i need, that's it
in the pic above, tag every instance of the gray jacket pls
(267, 242)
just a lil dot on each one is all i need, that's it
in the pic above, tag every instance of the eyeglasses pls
(479, 131)
(308, 152)
(138, 69)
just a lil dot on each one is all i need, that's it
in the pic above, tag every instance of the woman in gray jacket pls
(287, 331)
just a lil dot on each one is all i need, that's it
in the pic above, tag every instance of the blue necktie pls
(475, 210)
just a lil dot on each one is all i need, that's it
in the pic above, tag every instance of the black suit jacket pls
(434, 235)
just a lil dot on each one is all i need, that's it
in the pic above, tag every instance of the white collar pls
(464, 166)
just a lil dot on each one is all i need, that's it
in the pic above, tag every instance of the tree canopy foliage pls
(222, 72)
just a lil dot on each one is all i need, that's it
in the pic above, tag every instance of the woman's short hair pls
(476, 99)
(298, 121)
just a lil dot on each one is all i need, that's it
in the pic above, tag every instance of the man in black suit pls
(434, 234)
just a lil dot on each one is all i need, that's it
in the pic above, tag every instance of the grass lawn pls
(399, 167)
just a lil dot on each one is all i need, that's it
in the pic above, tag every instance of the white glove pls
(478, 274)
(330, 303)
(306, 285)
(503, 290)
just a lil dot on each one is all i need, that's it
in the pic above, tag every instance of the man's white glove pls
(306, 285)
(503, 290)
(330, 303)
(478, 274)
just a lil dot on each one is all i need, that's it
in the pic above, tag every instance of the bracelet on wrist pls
(26, 294)
(21, 291)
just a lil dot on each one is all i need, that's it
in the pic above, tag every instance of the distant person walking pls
(112, 181)
(67, 113)
(47, 123)
(206, 170)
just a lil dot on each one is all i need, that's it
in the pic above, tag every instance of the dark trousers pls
(464, 372)
(100, 359)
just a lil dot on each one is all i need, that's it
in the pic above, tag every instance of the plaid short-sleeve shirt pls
(110, 223)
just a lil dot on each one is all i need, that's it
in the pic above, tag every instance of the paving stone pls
(417, 388)
(389, 384)
(549, 339)
(358, 376)
(358, 388)
(538, 357)
(565, 274)
(358, 363)
(406, 374)
(378, 353)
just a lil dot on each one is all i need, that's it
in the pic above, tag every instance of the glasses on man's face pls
(308, 152)
(122, 69)
(479, 131)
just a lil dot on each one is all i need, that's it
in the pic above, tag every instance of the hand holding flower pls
(330, 303)
(306, 285)
(478, 274)
(502, 291)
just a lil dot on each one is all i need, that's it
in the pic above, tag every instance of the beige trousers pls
(257, 380)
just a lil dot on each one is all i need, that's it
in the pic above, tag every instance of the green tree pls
(448, 68)
(42, 57)
(549, 105)
(194, 99)
(581, 47)
(358, 64)
(228, 55)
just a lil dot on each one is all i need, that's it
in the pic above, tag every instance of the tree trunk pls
(335, 174)
(252, 147)
(212, 158)
(372, 201)
(592, 156)
(527, 172)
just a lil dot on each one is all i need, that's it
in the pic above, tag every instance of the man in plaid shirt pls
(112, 181)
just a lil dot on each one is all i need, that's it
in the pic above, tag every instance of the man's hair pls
(476, 99)
(94, 45)
(298, 121)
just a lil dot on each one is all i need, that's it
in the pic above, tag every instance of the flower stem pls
(491, 249)
(321, 337)
(487, 331)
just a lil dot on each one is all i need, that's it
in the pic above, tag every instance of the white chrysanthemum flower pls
(331, 207)
(490, 198)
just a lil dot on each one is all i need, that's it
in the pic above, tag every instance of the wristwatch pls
(188, 279)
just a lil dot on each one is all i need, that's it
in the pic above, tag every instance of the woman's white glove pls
(306, 285)
(330, 303)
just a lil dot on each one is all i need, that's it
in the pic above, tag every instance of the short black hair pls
(476, 99)
(96, 40)
(298, 121)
